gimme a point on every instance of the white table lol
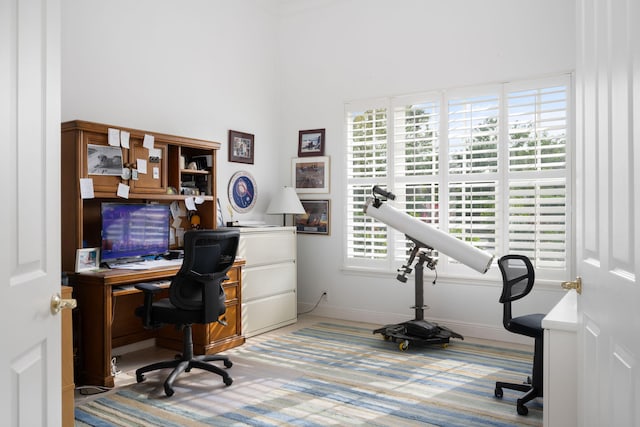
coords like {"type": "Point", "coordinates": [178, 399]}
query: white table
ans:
{"type": "Point", "coordinates": [560, 364]}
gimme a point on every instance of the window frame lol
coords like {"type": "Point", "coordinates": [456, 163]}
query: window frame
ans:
{"type": "Point", "coordinates": [503, 176]}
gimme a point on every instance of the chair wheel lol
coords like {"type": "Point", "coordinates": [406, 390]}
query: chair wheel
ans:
{"type": "Point", "coordinates": [522, 410]}
{"type": "Point", "coordinates": [228, 363]}
{"type": "Point", "coordinates": [498, 392]}
{"type": "Point", "coordinates": [228, 381]}
{"type": "Point", "coordinates": [403, 345]}
{"type": "Point", "coordinates": [168, 391]}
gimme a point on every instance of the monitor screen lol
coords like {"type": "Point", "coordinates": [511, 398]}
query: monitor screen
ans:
{"type": "Point", "coordinates": [133, 230]}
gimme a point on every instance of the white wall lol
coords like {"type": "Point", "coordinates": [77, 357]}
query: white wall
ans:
{"type": "Point", "coordinates": [338, 51]}
{"type": "Point", "coordinates": [273, 67]}
{"type": "Point", "coordinates": [193, 68]}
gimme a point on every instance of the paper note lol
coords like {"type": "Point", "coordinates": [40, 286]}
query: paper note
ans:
{"type": "Point", "coordinates": [148, 142]}
{"type": "Point", "coordinates": [175, 209]}
{"type": "Point", "coordinates": [156, 173]}
{"type": "Point", "coordinates": [86, 188]}
{"type": "Point", "coordinates": [190, 204]}
{"type": "Point", "coordinates": [180, 236]}
{"type": "Point", "coordinates": [177, 222]}
{"type": "Point", "coordinates": [124, 139]}
{"type": "Point", "coordinates": [123, 191]}
{"type": "Point", "coordinates": [199, 200]}
{"type": "Point", "coordinates": [155, 154]}
{"type": "Point", "coordinates": [142, 165]}
{"type": "Point", "coordinates": [114, 137]}
{"type": "Point", "coordinates": [172, 237]}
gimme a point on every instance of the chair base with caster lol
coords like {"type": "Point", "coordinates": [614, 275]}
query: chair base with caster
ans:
{"type": "Point", "coordinates": [532, 387]}
{"type": "Point", "coordinates": [531, 393]}
{"type": "Point", "coordinates": [185, 363]}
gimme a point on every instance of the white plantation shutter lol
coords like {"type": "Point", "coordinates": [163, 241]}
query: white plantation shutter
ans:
{"type": "Point", "coordinates": [472, 213]}
{"type": "Point", "coordinates": [416, 139]}
{"type": "Point", "coordinates": [416, 136]}
{"type": "Point", "coordinates": [538, 173]}
{"type": "Point", "coordinates": [367, 154]}
{"type": "Point", "coordinates": [491, 166]}
{"type": "Point", "coordinates": [419, 201]}
{"type": "Point", "coordinates": [473, 134]}
{"type": "Point", "coordinates": [538, 221]}
{"type": "Point", "coordinates": [537, 129]}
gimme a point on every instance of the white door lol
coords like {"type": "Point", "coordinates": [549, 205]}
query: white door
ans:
{"type": "Point", "coordinates": [608, 214]}
{"type": "Point", "coordinates": [30, 380]}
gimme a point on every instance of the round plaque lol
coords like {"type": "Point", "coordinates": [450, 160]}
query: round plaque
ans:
{"type": "Point", "coordinates": [242, 191]}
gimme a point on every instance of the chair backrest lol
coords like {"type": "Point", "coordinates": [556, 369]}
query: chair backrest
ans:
{"type": "Point", "coordinates": [208, 255]}
{"type": "Point", "coordinates": [518, 277]}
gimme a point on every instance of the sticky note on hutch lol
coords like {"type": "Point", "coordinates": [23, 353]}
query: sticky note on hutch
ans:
{"type": "Point", "coordinates": [124, 139]}
{"type": "Point", "coordinates": [114, 137]}
{"type": "Point", "coordinates": [123, 191]}
{"type": "Point", "coordinates": [86, 188]}
{"type": "Point", "coordinates": [142, 165]}
{"type": "Point", "coordinates": [148, 141]}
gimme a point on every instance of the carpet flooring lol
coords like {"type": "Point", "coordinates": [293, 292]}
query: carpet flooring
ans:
{"type": "Point", "coordinates": [328, 374]}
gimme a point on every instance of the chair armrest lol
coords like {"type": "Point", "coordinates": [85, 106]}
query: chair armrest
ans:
{"type": "Point", "coordinates": [148, 287]}
{"type": "Point", "coordinates": [144, 312]}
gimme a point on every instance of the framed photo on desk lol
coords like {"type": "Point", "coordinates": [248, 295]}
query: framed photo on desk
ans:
{"type": "Point", "coordinates": [87, 259]}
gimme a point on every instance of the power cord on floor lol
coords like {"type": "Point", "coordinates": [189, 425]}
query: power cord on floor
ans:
{"type": "Point", "coordinates": [315, 306]}
{"type": "Point", "coordinates": [114, 366]}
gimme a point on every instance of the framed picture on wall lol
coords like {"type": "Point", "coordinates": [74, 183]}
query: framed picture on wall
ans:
{"type": "Point", "coordinates": [311, 143]}
{"type": "Point", "coordinates": [310, 174]}
{"type": "Point", "coordinates": [315, 219]}
{"type": "Point", "coordinates": [241, 147]}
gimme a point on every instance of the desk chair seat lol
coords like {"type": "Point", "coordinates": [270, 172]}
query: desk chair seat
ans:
{"type": "Point", "coordinates": [196, 296]}
{"type": "Point", "coordinates": [518, 277]}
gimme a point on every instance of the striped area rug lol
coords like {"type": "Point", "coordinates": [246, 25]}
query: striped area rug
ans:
{"type": "Point", "coordinates": [331, 374]}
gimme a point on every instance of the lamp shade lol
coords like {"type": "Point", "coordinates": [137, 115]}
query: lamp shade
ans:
{"type": "Point", "coordinates": [285, 201]}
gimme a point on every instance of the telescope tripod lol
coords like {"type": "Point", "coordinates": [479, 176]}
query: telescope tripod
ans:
{"type": "Point", "coordinates": [417, 330]}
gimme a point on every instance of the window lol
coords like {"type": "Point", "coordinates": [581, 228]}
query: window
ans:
{"type": "Point", "coordinates": [488, 165]}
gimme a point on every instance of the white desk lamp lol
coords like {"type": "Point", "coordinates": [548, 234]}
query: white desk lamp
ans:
{"type": "Point", "coordinates": [285, 202]}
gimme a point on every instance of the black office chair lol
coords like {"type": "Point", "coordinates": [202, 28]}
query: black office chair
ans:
{"type": "Point", "coordinates": [195, 296]}
{"type": "Point", "coordinates": [518, 277]}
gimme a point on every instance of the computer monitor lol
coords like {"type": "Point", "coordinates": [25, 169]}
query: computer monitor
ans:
{"type": "Point", "coordinates": [132, 231]}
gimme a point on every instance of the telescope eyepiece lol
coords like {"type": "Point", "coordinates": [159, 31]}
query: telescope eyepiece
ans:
{"type": "Point", "coordinates": [384, 193]}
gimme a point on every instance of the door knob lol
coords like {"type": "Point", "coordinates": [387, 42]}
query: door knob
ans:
{"type": "Point", "coordinates": [576, 284]}
{"type": "Point", "coordinates": [57, 303]}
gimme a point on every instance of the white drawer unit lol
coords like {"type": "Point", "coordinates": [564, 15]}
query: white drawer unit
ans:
{"type": "Point", "coordinates": [269, 278]}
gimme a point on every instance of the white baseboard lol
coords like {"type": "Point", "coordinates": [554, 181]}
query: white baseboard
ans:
{"type": "Point", "coordinates": [488, 332]}
{"type": "Point", "coordinates": [129, 348]}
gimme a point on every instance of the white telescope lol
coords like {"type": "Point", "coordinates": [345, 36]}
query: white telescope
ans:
{"type": "Point", "coordinates": [426, 234]}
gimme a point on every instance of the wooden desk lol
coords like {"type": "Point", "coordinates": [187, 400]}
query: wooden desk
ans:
{"type": "Point", "coordinates": [107, 319]}
{"type": "Point", "coordinates": [68, 386]}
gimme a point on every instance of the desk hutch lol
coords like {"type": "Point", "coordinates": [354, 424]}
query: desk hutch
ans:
{"type": "Point", "coordinates": [107, 299]}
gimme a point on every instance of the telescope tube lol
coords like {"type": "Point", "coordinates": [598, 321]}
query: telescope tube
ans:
{"type": "Point", "coordinates": [426, 234]}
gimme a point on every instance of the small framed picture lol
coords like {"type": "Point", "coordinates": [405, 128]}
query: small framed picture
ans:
{"type": "Point", "coordinates": [315, 220]}
{"type": "Point", "coordinates": [241, 147]}
{"type": "Point", "coordinates": [310, 174]}
{"type": "Point", "coordinates": [87, 259]}
{"type": "Point", "coordinates": [311, 143]}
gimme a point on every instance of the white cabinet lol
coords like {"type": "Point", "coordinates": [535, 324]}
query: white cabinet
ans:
{"type": "Point", "coordinates": [560, 370]}
{"type": "Point", "coordinates": [269, 278]}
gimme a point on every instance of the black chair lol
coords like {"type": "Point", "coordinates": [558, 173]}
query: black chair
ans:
{"type": "Point", "coordinates": [195, 296]}
{"type": "Point", "coordinates": [518, 277]}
